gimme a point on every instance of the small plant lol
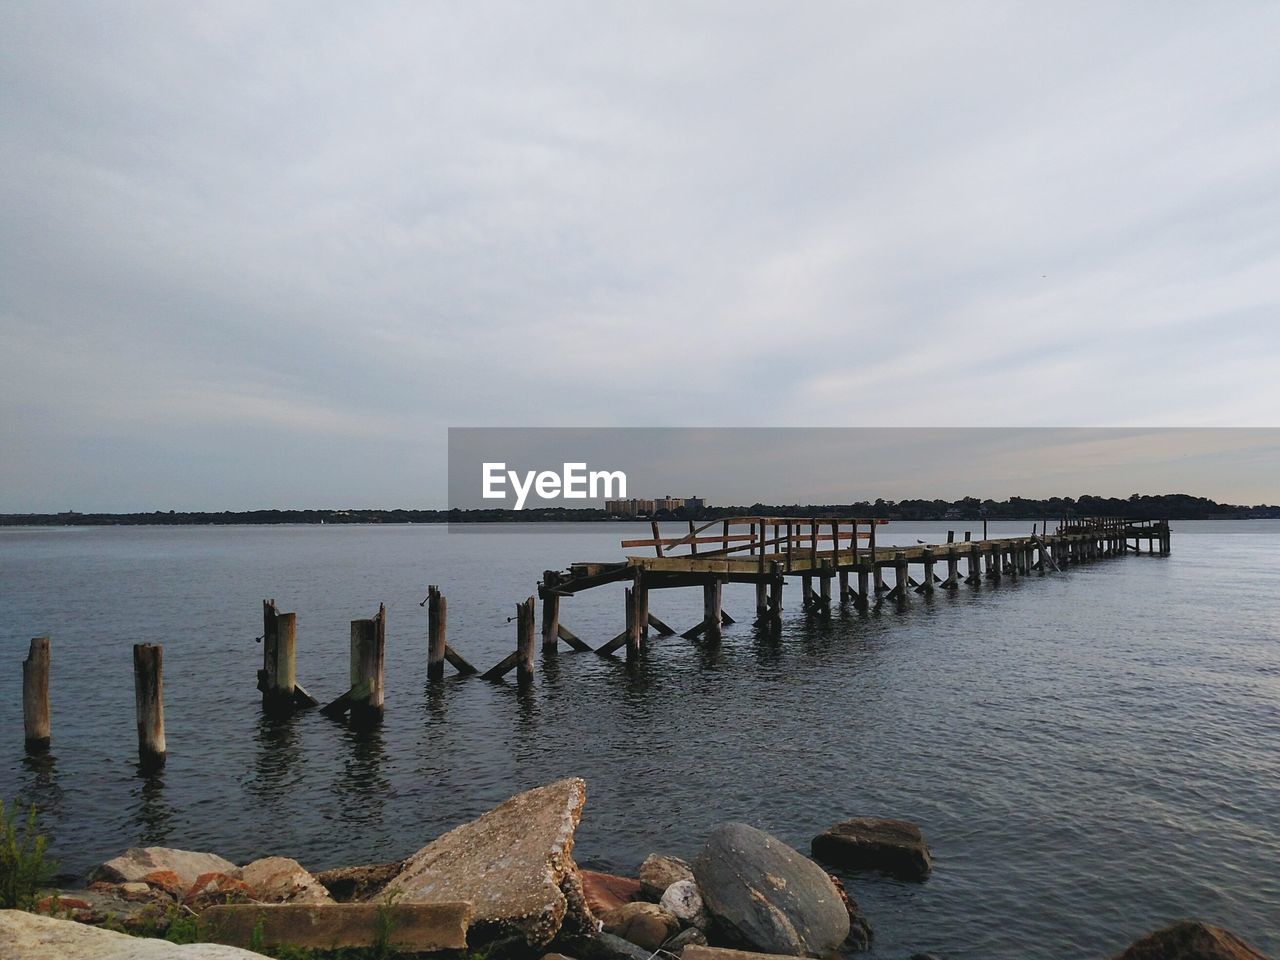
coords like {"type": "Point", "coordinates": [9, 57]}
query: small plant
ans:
{"type": "Point", "coordinates": [22, 865]}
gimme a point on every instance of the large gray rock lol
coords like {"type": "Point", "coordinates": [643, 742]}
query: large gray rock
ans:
{"type": "Point", "coordinates": [514, 865]}
{"type": "Point", "coordinates": [644, 924]}
{"type": "Point", "coordinates": [135, 863]}
{"type": "Point", "coordinates": [895, 847]}
{"type": "Point", "coordinates": [767, 896]}
{"type": "Point", "coordinates": [26, 936]}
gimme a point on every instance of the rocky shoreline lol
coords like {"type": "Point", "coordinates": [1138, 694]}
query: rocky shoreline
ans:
{"type": "Point", "coordinates": [506, 885]}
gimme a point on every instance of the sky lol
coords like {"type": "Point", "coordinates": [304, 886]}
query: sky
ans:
{"type": "Point", "coordinates": [266, 254]}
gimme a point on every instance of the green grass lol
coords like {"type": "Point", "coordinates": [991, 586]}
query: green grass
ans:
{"type": "Point", "coordinates": [23, 868]}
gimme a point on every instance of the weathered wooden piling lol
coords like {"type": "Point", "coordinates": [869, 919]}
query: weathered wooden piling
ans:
{"type": "Point", "coordinates": [953, 570]}
{"type": "Point", "coordinates": [550, 611]}
{"type": "Point", "coordinates": [902, 578]}
{"type": "Point", "coordinates": [926, 584]}
{"type": "Point", "coordinates": [364, 699]}
{"type": "Point", "coordinates": [632, 602]}
{"type": "Point", "coordinates": [776, 583]}
{"type": "Point", "coordinates": [279, 667]}
{"type": "Point", "coordinates": [864, 591]}
{"type": "Point", "coordinates": [525, 640]}
{"type": "Point", "coordinates": [712, 615]}
{"type": "Point", "coordinates": [437, 632]}
{"type": "Point", "coordinates": [35, 696]}
{"type": "Point", "coordinates": [148, 700]}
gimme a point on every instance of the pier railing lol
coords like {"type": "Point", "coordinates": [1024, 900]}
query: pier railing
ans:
{"type": "Point", "coordinates": [763, 536]}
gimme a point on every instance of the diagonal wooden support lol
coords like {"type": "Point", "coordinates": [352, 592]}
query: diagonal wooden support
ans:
{"type": "Point", "coordinates": [662, 628]}
{"type": "Point", "coordinates": [572, 639]}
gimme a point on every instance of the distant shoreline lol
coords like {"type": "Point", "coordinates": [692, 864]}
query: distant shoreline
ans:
{"type": "Point", "coordinates": [970, 510]}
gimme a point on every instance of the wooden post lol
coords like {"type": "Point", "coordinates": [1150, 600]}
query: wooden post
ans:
{"type": "Point", "coordinates": [776, 581]}
{"type": "Point", "coordinates": [902, 576]}
{"type": "Point", "coordinates": [844, 586]}
{"type": "Point", "coordinates": [953, 569]}
{"type": "Point", "coordinates": [368, 645]}
{"type": "Point", "coordinates": [35, 696]}
{"type": "Point", "coordinates": [711, 605]}
{"type": "Point", "coordinates": [806, 592]}
{"type": "Point", "coordinates": [437, 632]}
{"type": "Point", "coordinates": [864, 591]}
{"type": "Point", "coordinates": [279, 652]}
{"type": "Point", "coordinates": [633, 626]}
{"type": "Point", "coordinates": [642, 602]}
{"type": "Point", "coordinates": [926, 585]}
{"type": "Point", "coordinates": [550, 611]}
{"type": "Point", "coordinates": [824, 584]}
{"type": "Point", "coordinates": [762, 600]}
{"type": "Point", "coordinates": [148, 699]}
{"type": "Point", "coordinates": [975, 563]}
{"type": "Point", "coordinates": [524, 640]}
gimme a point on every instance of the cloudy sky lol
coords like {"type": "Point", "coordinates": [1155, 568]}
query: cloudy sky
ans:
{"type": "Point", "coordinates": [266, 254]}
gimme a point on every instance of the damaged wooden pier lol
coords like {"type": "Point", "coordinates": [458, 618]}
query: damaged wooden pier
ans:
{"type": "Point", "coordinates": [828, 551]}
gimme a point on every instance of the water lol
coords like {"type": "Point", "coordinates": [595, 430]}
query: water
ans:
{"type": "Point", "coordinates": [1091, 754]}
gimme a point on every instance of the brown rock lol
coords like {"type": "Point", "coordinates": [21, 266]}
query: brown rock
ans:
{"type": "Point", "coordinates": [282, 880]}
{"type": "Point", "coordinates": [165, 880]}
{"type": "Point", "coordinates": [1191, 940]}
{"type": "Point", "coordinates": [659, 872]}
{"type": "Point", "coordinates": [606, 891]}
{"type": "Point", "coordinates": [514, 865]}
{"type": "Point", "coordinates": [894, 847]}
{"type": "Point", "coordinates": [359, 883]}
{"type": "Point", "coordinates": [644, 924]}
{"type": "Point", "coordinates": [213, 888]}
{"type": "Point", "coordinates": [51, 906]}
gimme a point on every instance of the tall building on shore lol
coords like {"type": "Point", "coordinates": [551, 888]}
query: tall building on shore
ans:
{"type": "Point", "coordinates": [647, 508]}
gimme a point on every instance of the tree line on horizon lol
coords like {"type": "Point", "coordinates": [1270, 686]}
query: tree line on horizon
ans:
{"type": "Point", "coordinates": [1169, 506]}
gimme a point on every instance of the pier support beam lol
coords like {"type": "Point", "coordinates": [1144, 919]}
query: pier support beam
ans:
{"type": "Point", "coordinates": [148, 699]}
{"type": "Point", "coordinates": [364, 699]}
{"type": "Point", "coordinates": [550, 611]}
{"type": "Point", "coordinates": [712, 617]}
{"type": "Point", "coordinates": [862, 601]}
{"type": "Point", "coordinates": [278, 677]}
{"type": "Point", "coordinates": [902, 587]}
{"type": "Point", "coordinates": [437, 632]}
{"type": "Point", "coordinates": [634, 628]}
{"type": "Point", "coordinates": [35, 696]}
{"type": "Point", "coordinates": [926, 583]}
{"type": "Point", "coordinates": [844, 586]}
{"type": "Point", "coordinates": [776, 582]}
{"type": "Point", "coordinates": [953, 570]}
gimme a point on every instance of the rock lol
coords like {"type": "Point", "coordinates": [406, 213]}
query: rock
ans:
{"type": "Point", "coordinates": [33, 937]}
{"type": "Point", "coordinates": [605, 891]}
{"type": "Point", "coordinates": [137, 862]}
{"type": "Point", "coordinates": [358, 883]}
{"type": "Point", "coordinates": [1191, 940]}
{"type": "Point", "coordinates": [683, 901]}
{"type": "Point", "coordinates": [692, 937]}
{"type": "Point", "coordinates": [894, 847]}
{"type": "Point", "coordinates": [644, 924]}
{"type": "Point", "coordinates": [281, 880]}
{"type": "Point", "coordinates": [859, 937]}
{"type": "Point", "coordinates": [165, 880]}
{"type": "Point", "coordinates": [103, 901]}
{"type": "Point", "coordinates": [211, 888]}
{"type": "Point", "coordinates": [767, 896]}
{"type": "Point", "coordinates": [659, 872]}
{"type": "Point", "coordinates": [514, 865]}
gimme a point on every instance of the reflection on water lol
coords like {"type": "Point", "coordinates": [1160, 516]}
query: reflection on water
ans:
{"type": "Point", "coordinates": [1091, 754]}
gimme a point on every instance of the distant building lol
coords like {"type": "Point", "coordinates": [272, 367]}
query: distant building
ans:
{"type": "Point", "coordinates": [636, 507]}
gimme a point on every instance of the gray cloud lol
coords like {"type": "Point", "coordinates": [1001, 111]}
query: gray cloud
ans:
{"type": "Point", "coordinates": [247, 251]}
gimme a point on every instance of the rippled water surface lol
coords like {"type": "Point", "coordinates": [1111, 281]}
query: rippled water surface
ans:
{"type": "Point", "coordinates": [1091, 753]}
